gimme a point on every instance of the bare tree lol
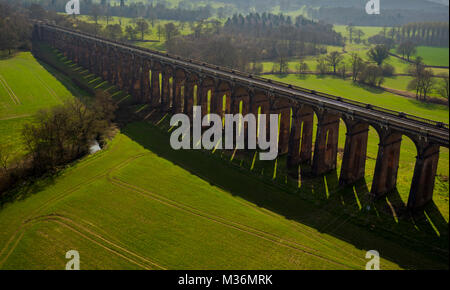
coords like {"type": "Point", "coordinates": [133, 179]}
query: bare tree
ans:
{"type": "Point", "coordinates": [334, 58]}
{"type": "Point", "coordinates": [5, 156]}
{"type": "Point", "coordinates": [359, 34]}
{"type": "Point", "coordinates": [407, 49]}
{"type": "Point", "coordinates": [357, 66]}
{"type": "Point", "coordinates": [322, 66]}
{"type": "Point", "coordinates": [350, 28]}
{"type": "Point", "coordinates": [443, 87]}
{"type": "Point", "coordinates": [423, 81]}
{"type": "Point", "coordinates": [142, 26]}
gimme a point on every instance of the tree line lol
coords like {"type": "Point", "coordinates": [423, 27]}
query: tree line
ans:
{"type": "Point", "coordinates": [268, 25]}
{"type": "Point", "coordinates": [239, 45]}
{"type": "Point", "coordinates": [374, 71]}
{"type": "Point", "coordinates": [389, 17]}
{"type": "Point", "coordinates": [15, 28]}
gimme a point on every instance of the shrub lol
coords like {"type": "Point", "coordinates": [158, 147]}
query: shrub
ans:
{"type": "Point", "coordinates": [388, 70]}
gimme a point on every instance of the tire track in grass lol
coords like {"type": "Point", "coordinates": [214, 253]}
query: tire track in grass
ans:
{"type": "Point", "coordinates": [89, 235]}
{"type": "Point", "coordinates": [47, 87]}
{"type": "Point", "coordinates": [308, 233]}
{"type": "Point", "coordinates": [231, 224]}
{"type": "Point", "coordinates": [40, 80]}
{"type": "Point", "coordinates": [10, 92]}
{"type": "Point", "coordinates": [63, 195]}
{"type": "Point", "coordinates": [84, 183]}
{"type": "Point", "coordinates": [15, 117]}
{"type": "Point", "coordinates": [77, 227]}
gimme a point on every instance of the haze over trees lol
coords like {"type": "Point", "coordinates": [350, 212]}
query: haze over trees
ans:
{"type": "Point", "coordinates": [282, 27]}
{"type": "Point", "coordinates": [251, 38]}
{"type": "Point", "coordinates": [135, 10]}
{"type": "Point", "coordinates": [395, 12]}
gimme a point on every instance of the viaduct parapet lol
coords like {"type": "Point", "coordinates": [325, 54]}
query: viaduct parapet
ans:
{"type": "Point", "coordinates": [172, 84]}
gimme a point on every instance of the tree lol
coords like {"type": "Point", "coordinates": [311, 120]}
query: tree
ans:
{"type": "Point", "coordinates": [64, 133]}
{"type": "Point", "coordinates": [130, 32]}
{"type": "Point", "coordinates": [423, 81]}
{"type": "Point", "coordinates": [443, 87]}
{"type": "Point", "coordinates": [350, 28]}
{"type": "Point", "coordinates": [342, 70]}
{"type": "Point", "coordinates": [357, 66]}
{"type": "Point", "coordinates": [282, 51]}
{"type": "Point", "coordinates": [216, 26]}
{"type": "Point", "coordinates": [359, 34]}
{"type": "Point", "coordinates": [322, 66]}
{"type": "Point", "coordinates": [378, 54]}
{"type": "Point", "coordinates": [5, 156]}
{"type": "Point", "coordinates": [113, 31]}
{"type": "Point", "coordinates": [407, 48]}
{"type": "Point", "coordinates": [372, 75]}
{"type": "Point", "coordinates": [15, 28]}
{"type": "Point", "coordinates": [171, 31]}
{"type": "Point", "coordinates": [95, 16]}
{"type": "Point", "coordinates": [160, 31]}
{"type": "Point", "coordinates": [334, 59]}
{"type": "Point", "coordinates": [142, 26]}
{"type": "Point", "coordinates": [302, 67]}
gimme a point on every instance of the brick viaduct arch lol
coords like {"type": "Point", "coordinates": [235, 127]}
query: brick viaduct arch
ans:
{"type": "Point", "coordinates": [174, 85]}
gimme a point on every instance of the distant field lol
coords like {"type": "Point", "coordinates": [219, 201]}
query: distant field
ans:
{"type": "Point", "coordinates": [368, 30]}
{"type": "Point", "coordinates": [437, 56]}
{"type": "Point", "coordinates": [347, 89]}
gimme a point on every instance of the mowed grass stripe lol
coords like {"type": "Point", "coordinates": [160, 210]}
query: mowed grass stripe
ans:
{"type": "Point", "coordinates": [34, 86]}
{"type": "Point", "coordinates": [52, 240]}
{"type": "Point", "coordinates": [10, 92]}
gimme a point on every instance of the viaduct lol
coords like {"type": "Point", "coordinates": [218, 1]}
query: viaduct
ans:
{"type": "Point", "coordinates": [172, 84]}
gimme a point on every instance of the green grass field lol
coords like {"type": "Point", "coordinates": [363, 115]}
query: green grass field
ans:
{"type": "Point", "coordinates": [358, 92]}
{"type": "Point", "coordinates": [138, 204]}
{"type": "Point", "coordinates": [141, 211]}
{"type": "Point", "coordinates": [437, 56]}
{"type": "Point", "coordinates": [26, 86]}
